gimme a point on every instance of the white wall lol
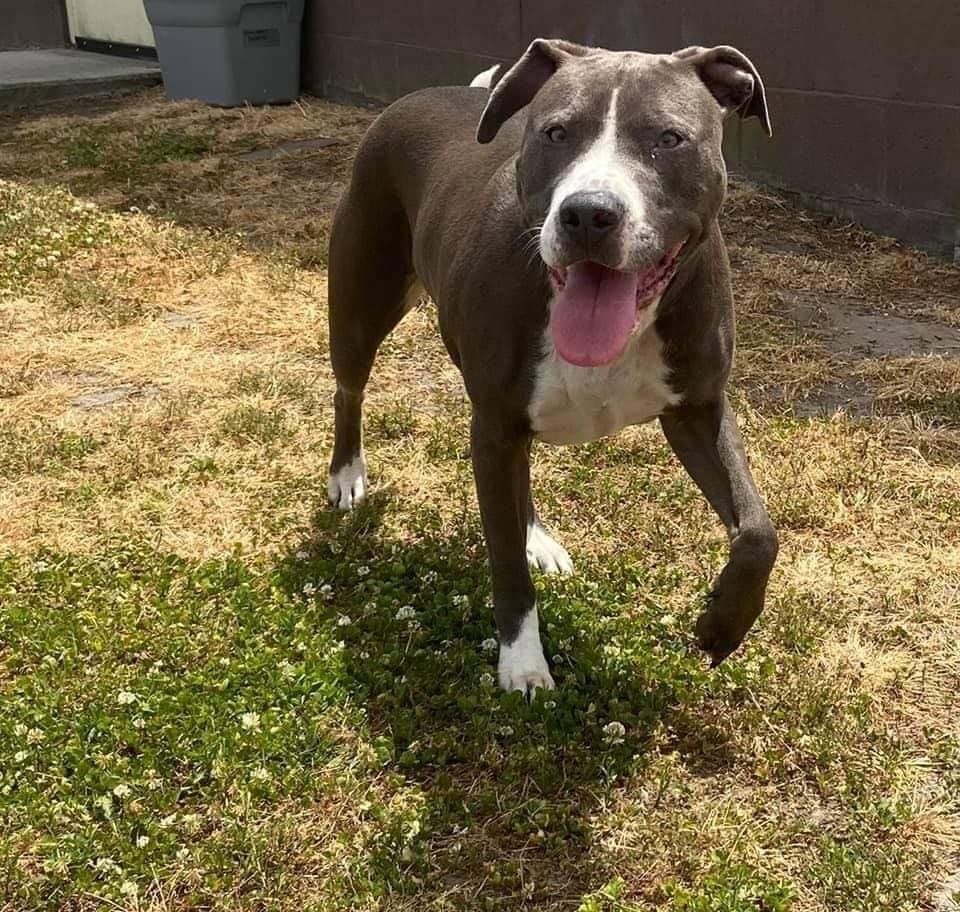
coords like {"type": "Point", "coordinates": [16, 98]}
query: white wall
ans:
{"type": "Point", "coordinates": [110, 20]}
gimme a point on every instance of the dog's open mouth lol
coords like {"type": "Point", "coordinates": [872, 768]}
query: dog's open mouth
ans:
{"type": "Point", "coordinates": [596, 308]}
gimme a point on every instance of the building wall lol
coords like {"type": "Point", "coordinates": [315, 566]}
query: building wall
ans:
{"type": "Point", "coordinates": [864, 96]}
{"type": "Point", "coordinates": [32, 23]}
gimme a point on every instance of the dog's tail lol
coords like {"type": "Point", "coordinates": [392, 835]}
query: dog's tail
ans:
{"type": "Point", "coordinates": [485, 79]}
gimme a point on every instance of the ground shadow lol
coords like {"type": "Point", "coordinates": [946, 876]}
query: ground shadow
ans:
{"type": "Point", "coordinates": [270, 176]}
{"type": "Point", "coordinates": [508, 788]}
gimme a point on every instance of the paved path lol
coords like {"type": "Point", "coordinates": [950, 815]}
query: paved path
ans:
{"type": "Point", "coordinates": [30, 77]}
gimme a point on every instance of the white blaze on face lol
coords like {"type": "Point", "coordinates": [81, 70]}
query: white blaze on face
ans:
{"type": "Point", "coordinates": [601, 167]}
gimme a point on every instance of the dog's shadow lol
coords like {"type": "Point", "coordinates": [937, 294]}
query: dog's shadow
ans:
{"type": "Point", "coordinates": [417, 658]}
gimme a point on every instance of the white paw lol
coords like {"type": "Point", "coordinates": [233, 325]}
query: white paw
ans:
{"type": "Point", "coordinates": [522, 664]}
{"type": "Point", "coordinates": [348, 486]}
{"type": "Point", "coordinates": [543, 553]}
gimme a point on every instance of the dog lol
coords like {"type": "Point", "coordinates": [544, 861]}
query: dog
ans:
{"type": "Point", "coordinates": [607, 168]}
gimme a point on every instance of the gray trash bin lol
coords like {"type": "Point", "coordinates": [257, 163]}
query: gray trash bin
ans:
{"type": "Point", "coordinates": [228, 52]}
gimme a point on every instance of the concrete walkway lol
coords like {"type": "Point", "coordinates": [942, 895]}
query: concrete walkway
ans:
{"type": "Point", "coordinates": [32, 77]}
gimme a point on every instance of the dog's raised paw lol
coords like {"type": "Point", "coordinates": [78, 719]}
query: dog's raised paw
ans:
{"type": "Point", "coordinates": [546, 554]}
{"type": "Point", "coordinates": [347, 487]}
{"type": "Point", "coordinates": [729, 615]}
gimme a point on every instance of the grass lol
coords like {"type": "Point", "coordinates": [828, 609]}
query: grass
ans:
{"type": "Point", "coordinates": [253, 424]}
{"type": "Point", "coordinates": [217, 694]}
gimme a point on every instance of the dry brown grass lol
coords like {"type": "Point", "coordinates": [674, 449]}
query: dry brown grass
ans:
{"type": "Point", "coordinates": [207, 313]}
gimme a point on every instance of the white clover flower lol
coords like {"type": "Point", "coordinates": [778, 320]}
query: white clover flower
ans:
{"type": "Point", "coordinates": [490, 645]}
{"type": "Point", "coordinates": [613, 732]}
{"type": "Point", "coordinates": [301, 555]}
{"type": "Point", "coordinates": [461, 601]}
{"type": "Point", "coordinates": [550, 704]}
{"type": "Point", "coordinates": [308, 589]}
{"type": "Point", "coordinates": [363, 571]}
{"type": "Point", "coordinates": [153, 779]}
{"type": "Point", "coordinates": [344, 620]}
{"type": "Point", "coordinates": [20, 756]}
{"type": "Point", "coordinates": [326, 591]}
{"type": "Point", "coordinates": [121, 790]}
{"type": "Point", "coordinates": [505, 730]}
{"type": "Point", "coordinates": [406, 613]}
{"type": "Point", "coordinates": [106, 866]}
{"type": "Point", "coordinates": [250, 721]}
{"type": "Point", "coordinates": [125, 698]}
{"type": "Point", "coordinates": [20, 730]}
{"type": "Point", "coordinates": [128, 888]}
{"type": "Point", "coordinates": [486, 679]}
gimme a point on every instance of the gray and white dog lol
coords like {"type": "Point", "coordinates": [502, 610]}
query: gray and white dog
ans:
{"type": "Point", "coordinates": [612, 163]}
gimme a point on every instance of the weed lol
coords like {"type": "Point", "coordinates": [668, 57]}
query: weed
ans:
{"type": "Point", "coordinates": [252, 424]}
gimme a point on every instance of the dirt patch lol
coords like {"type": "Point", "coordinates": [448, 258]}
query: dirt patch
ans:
{"type": "Point", "coordinates": [873, 361]}
{"type": "Point", "coordinates": [845, 326]}
{"type": "Point", "coordinates": [114, 396]}
{"type": "Point", "coordinates": [290, 148]}
{"type": "Point", "coordinates": [177, 320]}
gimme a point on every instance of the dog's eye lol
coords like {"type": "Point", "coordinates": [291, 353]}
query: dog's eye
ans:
{"type": "Point", "coordinates": [556, 133]}
{"type": "Point", "coordinates": [669, 139]}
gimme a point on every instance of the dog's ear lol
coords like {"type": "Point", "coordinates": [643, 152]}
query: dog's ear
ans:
{"type": "Point", "coordinates": [522, 81]}
{"type": "Point", "coordinates": [732, 79]}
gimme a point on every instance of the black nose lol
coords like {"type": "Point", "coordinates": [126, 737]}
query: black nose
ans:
{"type": "Point", "coordinates": [590, 215]}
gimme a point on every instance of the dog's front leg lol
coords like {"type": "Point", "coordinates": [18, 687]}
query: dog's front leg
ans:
{"type": "Point", "coordinates": [707, 442]}
{"type": "Point", "coordinates": [501, 467]}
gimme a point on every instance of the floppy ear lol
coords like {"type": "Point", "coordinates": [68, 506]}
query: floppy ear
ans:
{"type": "Point", "coordinates": [732, 79]}
{"type": "Point", "coordinates": [522, 81]}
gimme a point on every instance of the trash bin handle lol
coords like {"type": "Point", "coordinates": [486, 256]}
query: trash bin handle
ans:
{"type": "Point", "coordinates": [290, 14]}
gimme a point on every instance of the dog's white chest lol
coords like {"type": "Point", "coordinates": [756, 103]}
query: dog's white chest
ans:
{"type": "Point", "coordinates": [575, 404]}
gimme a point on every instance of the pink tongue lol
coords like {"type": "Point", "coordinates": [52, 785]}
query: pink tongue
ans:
{"type": "Point", "coordinates": [594, 314]}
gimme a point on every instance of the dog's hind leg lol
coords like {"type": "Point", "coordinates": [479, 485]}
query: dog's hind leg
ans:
{"type": "Point", "coordinates": [544, 552]}
{"type": "Point", "coordinates": [371, 287]}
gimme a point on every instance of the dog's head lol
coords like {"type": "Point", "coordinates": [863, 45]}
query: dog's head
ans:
{"type": "Point", "coordinates": [620, 167]}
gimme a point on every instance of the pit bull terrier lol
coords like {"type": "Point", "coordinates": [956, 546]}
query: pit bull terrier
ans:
{"type": "Point", "coordinates": [565, 223]}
